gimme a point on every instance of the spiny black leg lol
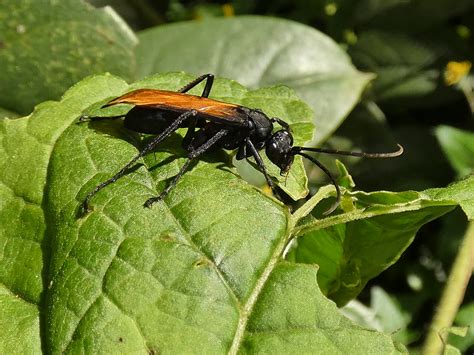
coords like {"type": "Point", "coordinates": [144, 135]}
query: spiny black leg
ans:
{"type": "Point", "coordinates": [170, 129]}
{"type": "Point", "coordinates": [261, 166]}
{"type": "Point", "coordinates": [207, 89]}
{"type": "Point", "coordinates": [205, 93]}
{"type": "Point", "coordinates": [173, 183]}
{"type": "Point", "coordinates": [191, 156]}
{"type": "Point", "coordinates": [208, 144]}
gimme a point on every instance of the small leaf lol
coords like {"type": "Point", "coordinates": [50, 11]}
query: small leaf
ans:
{"type": "Point", "coordinates": [451, 350]}
{"type": "Point", "coordinates": [384, 314]}
{"type": "Point", "coordinates": [344, 178]}
{"type": "Point", "coordinates": [393, 318]}
{"type": "Point", "coordinates": [353, 247]}
{"type": "Point", "coordinates": [461, 192]}
{"type": "Point", "coordinates": [463, 337]}
{"type": "Point", "coordinates": [459, 331]}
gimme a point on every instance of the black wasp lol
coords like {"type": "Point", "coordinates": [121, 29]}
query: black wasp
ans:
{"type": "Point", "coordinates": [213, 124]}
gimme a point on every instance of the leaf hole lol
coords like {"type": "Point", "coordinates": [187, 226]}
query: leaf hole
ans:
{"type": "Point", "coordinates": [167, 237]}
{"type": "Point", "coordinates": [202, 262]}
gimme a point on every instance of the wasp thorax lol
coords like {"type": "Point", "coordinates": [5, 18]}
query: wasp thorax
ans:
{"type": "Point", "coordinates": [278, 150]}
{"type": "Point", "coordinates": [261, 126]}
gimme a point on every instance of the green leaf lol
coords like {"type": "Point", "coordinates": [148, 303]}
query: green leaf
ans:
{"type": "Point", "coordinates": [393, 318]}
{"type": "Point", "coordinates": [277, 324]}
{"type": "Point", "coordinates": [261, 51]}
{"type": "Point", "coordinates": [461, 192]}
{"type": "Point", "coordinates": [46, 46]}
{"type": "Point", "coordinates": [203, 265]}
{"type": "Point", "coordinates": [458, 146]}
{"type": "Point", "coordinates": [451, 350]}
{"type": "Point", "coordinates": [385, 314]}
{"type": "Point", "coordinates": [370, 235]}
{"type": "Point", "coordinates": [402, 64]}
{"type": "Point", "coordinates": [458, 331]}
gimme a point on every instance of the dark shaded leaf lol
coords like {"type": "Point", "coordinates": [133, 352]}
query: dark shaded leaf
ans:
{"type": "Point", "coordinates": [47, 46]}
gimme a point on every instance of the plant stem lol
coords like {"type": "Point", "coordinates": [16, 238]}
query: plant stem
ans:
{"type": "Point", "coordinates": [453, 295]}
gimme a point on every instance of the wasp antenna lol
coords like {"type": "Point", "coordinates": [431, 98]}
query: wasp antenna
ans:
{"type": "Point", "coordinates": [355, 154]}
{"type": "Point", "coordinates": [326, 171]}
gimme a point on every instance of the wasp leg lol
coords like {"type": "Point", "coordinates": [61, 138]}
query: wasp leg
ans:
{"type": "Point", "coordinates": [261, 167]}
{"type": "Point", "coordinates": [205, 93]}
{"type": "Point", "coordinates": [333, 180]}
{"type": "Point", "coordinates": [158, 139]}
{"type": "Point", "coordinates": [207, 89]}
{"type": "Point", "coordinates": [191, 156]}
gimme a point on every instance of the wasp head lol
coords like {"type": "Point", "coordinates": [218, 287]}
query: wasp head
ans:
{"type": "Point", "coordinates": [278, 150]}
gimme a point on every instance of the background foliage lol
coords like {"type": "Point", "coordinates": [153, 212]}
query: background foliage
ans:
{"type": "Point", "coordinates": [373, 73]}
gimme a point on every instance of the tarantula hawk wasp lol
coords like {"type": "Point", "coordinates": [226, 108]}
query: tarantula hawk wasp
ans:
{"type": "Point", "coordinates": [213, 124]}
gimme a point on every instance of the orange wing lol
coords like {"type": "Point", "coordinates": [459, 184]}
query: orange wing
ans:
{"type": "Point", "coordinates": [176, 101]}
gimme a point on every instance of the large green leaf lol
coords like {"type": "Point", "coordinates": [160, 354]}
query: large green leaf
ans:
{"type": "Point", "coordinates": [199, 272]}
{"type": "Point", "coordinates": [260, 51]}
{"type": "Point", "coordinates": [46, 46]}
{"type": "Point", "coordinates": [370, 235]}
